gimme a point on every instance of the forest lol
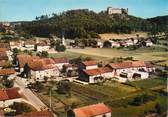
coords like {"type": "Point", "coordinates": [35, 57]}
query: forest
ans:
{"type": "Point", "coordinates": [84, 23]}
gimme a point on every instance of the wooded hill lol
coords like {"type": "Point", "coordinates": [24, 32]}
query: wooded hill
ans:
{"type": "Point", "coordinates": [87, 24]}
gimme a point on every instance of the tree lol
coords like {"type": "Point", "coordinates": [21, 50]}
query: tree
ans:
{"type": "Point", "coordinates": [60, 48]}
{"type": "Point", "coordinates": [20, 107]}
{"type": "Point", "coordinates": [44, 53]}
{"type": "Point", "coordinates": [64, 87]}
{"type": "Point", "coordinates": [107, 44]}
{"type": "Point", "coordinates": [15, 51]}
{"type": "Point", "coordinates": [158, 108]}
{"type": "Point", "coordinates": [7, 83]}
{"type": "Point", "coordinates": [26, 70]}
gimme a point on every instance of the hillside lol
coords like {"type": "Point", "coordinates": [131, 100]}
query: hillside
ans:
{"type": "Point", "coordinates": [161, 21]}
{"type": "Point", "coordinates": [84, 24]}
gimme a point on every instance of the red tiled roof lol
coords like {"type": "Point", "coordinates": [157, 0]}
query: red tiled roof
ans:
{"type": "Point", "coordinates": [30, 42]}
{"type": "Point", "coordinates": [89, 63]}
{"type": "Point", "coordinates": [3, 56]}
{"type": "Point", "coordinates": [149, 65]}
{"type": "Point", "coordinates": [70, 65]}
{"type": "Point", "coordinates": [2, 113]}
{"type": "Point", "coordinates": [37, 114]}
{"type": "Point", "coordinates": [97, 71]}
{"type": "Point", "coordinates": [3, 49]}
{"type": "Point", "coordinates": [43, 43]}
{"type": "Point", "coordinates": [128, 64]}
{"type": "Point", "coordinates": [48, 61]}
{"type": "Point", "coordinates": [23, 59]}
{"type": "Point", "coordinates": [4, 45]}
{"type": "Point", "coordinates": [7, 94]}
{"type": "Point", "coordinates": [41, 64]}
{"type": "Point", "coordinates": [92, 110]}
{"type": "Point", "coordinates": [60, 60]}
{"type": "Point", "coordinates": [6, 72]}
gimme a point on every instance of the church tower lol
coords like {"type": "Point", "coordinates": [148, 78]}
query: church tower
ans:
{"type": "Point", "coordinates": [63, 39]}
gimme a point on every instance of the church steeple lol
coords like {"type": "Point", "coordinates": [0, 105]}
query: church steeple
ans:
{"type": "Point", "coordinates": [63, 39]}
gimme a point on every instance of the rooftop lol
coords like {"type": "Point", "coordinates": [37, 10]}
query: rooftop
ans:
{"type": "Point", "coordinates": [98, 71]}
{"type": "Point", "coordinates": [37, 114]}
{"type": "Point", "coordinates": [89, 63]}
{"type": "Point", "coordinates": [92, 110]}
{"type": "Point", "coordinates": [7, 94]}
{"type": "Point", "coordinates": [60, 60]}
{"type": "Point", "coordinates": [6, 72]}
{"type": "Point", "coordinates": [128, 64]}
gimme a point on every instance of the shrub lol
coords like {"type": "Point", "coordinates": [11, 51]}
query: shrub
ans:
{"type": "Point", "coordinates": [142, 99]}
{"type": "Point", "coordinates": [64, 87]}
{"type": "Point", "coordinates": [20, 107]}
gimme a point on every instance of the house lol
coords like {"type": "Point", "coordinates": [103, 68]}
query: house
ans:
{"type": "Point", "coordinates": [8, 96]}
{"type": "Point", "coordinates": [4, 63]}
{"type": "Point", "coordinates": [59, 62]}
{"type": "Point", "coordinates": [42, 46]}
{"type": "Point", "coordinates": [4, 45]}
{"type": "Point", "coordinates": [44, 113]}
{"type": "Point", "coordinates": [71, 69]}
{"type": "Point", "coordinates": [7, 72]}
{"type": "Point", "coordinates": [41, 68]}
{"type": "Point", "coordinates": [95, 75]}
{"type": "Point", "coordinates": [148, 43]}
{"type": "Point", "coordinates": [131, 67]}
{"type": "Point", "coordinates": [99, 44]}
{"type": "Point", "coordinates": [22, 59]}
{"type": "Point", "coordinates": [95, 110]}
{"type": "Point", "coordinates": [2, 113]}
{"type": "Point", "coordinates": [15, 44]}
{"type": "Point", "coordinates": [129, 42]}
{"type": "Point", "coordinates": [114, 44]}
{"type": "Point", "coordinates": [29, 44]}
{"type": "Point", "coordinates": [133, 75]}
{"type": "Point", "coordinates": [3, 56]}
{"type": "Point", "coordinates": [87, 65]}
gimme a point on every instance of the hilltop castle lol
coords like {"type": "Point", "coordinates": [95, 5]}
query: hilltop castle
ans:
{"type": "Point", "coordinates": [120, 11]}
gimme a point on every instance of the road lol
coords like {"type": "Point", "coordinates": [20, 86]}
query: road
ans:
{"type": "Point", "coordinates": [33, 99]}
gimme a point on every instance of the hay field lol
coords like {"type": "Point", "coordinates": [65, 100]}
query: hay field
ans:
{"type": "Point", "coordinates": [107, 36]}
{"type": "Point", "coordinates": [146, 55]}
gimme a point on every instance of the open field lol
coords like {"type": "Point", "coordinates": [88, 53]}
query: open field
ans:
{"type": "Point", "coordinates": [115, 95]}
{"type": "Point", "coordinates": [149, 83]}
{"type": "Point", "coordinates": [72, 55]}
{"type": "Point", "coordinates": [146, 54]}
{"type": "Point", "coordinates": [135, 111]}
{"type": "Point", "coordinates": [107, 36]}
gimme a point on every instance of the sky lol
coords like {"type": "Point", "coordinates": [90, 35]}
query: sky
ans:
{"type": "Point", "coordinates": [27, 10]}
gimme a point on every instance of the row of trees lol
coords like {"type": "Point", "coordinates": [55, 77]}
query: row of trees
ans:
{"type": "Point", "coordinates": [85, 24]}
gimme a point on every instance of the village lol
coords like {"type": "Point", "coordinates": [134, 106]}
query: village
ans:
{"type": "Point", "coordinates": [54, 77]}
{"type": "Point", "coordinates": [27, 61]}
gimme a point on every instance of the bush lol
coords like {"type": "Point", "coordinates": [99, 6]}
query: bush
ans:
{"type": "Point", "coordinates": [142, 99]}
{"type": "Point", "coordinates": [60, 48]}
{"type": "Point", "coordinates": [20, 107]}
{"type": "Point", "coordinates": [64, 87]}
{"type": "Point", "coordinates": [44, 54]}
{"type": "Point", "coordinates": [107, 44]}
{"type": "Point", "coordinates": [7, 83]}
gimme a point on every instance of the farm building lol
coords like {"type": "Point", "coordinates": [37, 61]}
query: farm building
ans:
{"type": "Point", "coordinates": [87, 65]}
{"type": "Point", "coordinates": [95, 75]}
{"type": "Point", "coordinates": [95, 110]}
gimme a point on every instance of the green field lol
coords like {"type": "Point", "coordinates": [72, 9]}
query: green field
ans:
{"type": "Point", "coordinates": [134, 111]}
{"type": "Point", "coordinates": [149, 83]}
{"type": "Point", "coordinates": [147, 54]}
